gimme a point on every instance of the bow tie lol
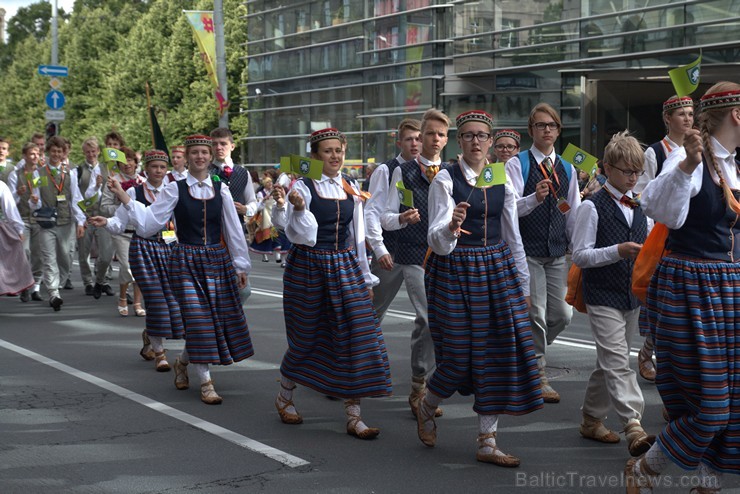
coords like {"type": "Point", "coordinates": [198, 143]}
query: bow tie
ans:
{"type": "Point", "coordinates": [227, 171]}
{"type": "Point", "coordinates": [129, 183]}
{"type": "Point", "coordinates": [629, 202]}
{"type": "Point", "coordinates": [431, 171]}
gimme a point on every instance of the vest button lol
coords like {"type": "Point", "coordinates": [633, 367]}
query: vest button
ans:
{"type": "Point", "coordinates": [483, 215]}
{"type": "Point", "coordinates": [483, 239]}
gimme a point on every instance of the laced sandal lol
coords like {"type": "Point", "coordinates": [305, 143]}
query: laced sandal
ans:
{"type": "Point", "coordinates": [181, 375]}
{"type": "Point", "coordinates": [414, 398]}
{"type": "Point", "coordinates": [638, 441]}
{"type": "Point", "coordinates": [122, 310]}
{"type": "Point", "coordinates": [160, 362]}
{"type": "Point", "coordinates": [147, 353]}
{"type": "Point", "coordinates": [496, 456]}
{"type": "Point", "coordinates": [593, 428]}
{"type": "Point", "coordinates": [208, 394]}
{"type": "Point", "coordinates": [353, 421]}
{"type": "Point", "coordinates": [282, 406]}
{"type": "Point", "coordinates": [429, 438]}
{"type": "Point", "coordinates": [645, 364]}
{"type": "Point", "coordinates": [139, 311]}
{"type": "Point", "coordinates": [635, 483]}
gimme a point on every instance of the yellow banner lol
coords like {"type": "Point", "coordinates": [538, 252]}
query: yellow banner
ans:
{"type": "Point", "coordinates": [202, 23]}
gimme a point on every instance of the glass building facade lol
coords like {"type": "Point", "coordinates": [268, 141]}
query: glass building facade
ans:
{"type": "Point", "coordinates": [363, 65]}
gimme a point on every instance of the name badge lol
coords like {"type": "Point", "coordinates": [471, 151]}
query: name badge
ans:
{"type": "Point", "coordinates": [563, 205]}
{"type": "Point", "coordinates": [61, 198]}
{"type": "Point", "coordinates": [169, 236]}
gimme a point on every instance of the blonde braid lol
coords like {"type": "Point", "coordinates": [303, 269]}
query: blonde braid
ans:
{"type": "Point", "coordinates": [709, 156]}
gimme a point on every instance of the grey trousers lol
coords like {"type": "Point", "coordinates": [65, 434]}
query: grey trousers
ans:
{"type": "Point", "coordinates": [105, 254]}
{"type": "Point", "coordinates": [32, 248]}
{"type": "Point", "coordinates": [55, 244]}
{"type": "Point", "coordinates": [549, 314]}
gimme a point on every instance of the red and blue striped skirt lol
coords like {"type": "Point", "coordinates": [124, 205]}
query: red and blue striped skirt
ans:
{"type": "Point", "coordinates": [335, 344]}
{"type": "Point", "coordinates": [480, 326]}
{"type": "Point", "coordinates": [149, 265]}
{"type": "Point", "coordinates": [693, 310]}
{"type": "Point", "coordinates": [204, 281]}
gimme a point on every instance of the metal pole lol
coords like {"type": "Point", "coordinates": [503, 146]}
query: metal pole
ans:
{"type": "Point", "coordinates": [54, 34]}
{"type": "Point", "coordinates": [218, 21]}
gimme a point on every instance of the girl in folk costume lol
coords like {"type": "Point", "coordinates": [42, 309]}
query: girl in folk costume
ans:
{"type": "Point", "coordinates": [477, 286]}
{"type": "Point", "coordinates": [15, 272]}
{"type": "Point", "coordinates": [335, 345]}
{"type": "Point", "coordinates": [205, 272]}
{"type": "Point", "coordinates": [678, 118]}
{"type": "Point", "coordinates": [149, 257]}
{"type": "Point", "coordinates": [109, 203]}
{"type": "Point", "coordinates": [265, 235]}
{"type": "Point", "coordinates": [692, 300]}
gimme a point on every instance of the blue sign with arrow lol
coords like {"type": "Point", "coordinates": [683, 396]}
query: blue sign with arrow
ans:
{"type": "Point", "coordinates": [55, 99]}
{"type": "Point", "coordinates": [54, 70]}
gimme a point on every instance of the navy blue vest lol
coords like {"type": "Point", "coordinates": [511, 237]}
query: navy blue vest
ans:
{"type": "Point", "coordinates": [412, 243]}
{"type": "Point", "coordinates": [237, 182]}
{"type": "Point", "coordinates": [198, 220]}
{"type": "Point", "coordinates": [709, 231]}
{"type": "Point", "coordinates": [543, 230]}
{"type": "Point", "coordinates": [333, 217]}
{"type": "Point", "coordinates": [483, 218]}
{"type": "Point", "coordinates": [611, 285]}
{"type": "Point", "coordinates": [659, 156]}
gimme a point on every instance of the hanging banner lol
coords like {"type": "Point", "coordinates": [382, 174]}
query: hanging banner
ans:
{"type": "Point", "coordinates": [202, 23]}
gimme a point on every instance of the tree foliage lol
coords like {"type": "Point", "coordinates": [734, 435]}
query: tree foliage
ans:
{"type": "Point", "coordinates": [113, 48]}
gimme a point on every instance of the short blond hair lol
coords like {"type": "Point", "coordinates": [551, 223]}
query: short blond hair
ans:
{"type": "Point", "coordinates": [624, 147]}
{"type": "Point", "coordinates": [434, 114]}
{"type": "Point", "coordinates": [408, 124]}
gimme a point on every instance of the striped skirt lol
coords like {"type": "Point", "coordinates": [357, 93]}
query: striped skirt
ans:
{"type": "Point", "coordinates": [480, 326]}
{"type": "Point", "coordinates": [204, 281]}
{"type": "Point", "coordinates": [148, 260]}
{"type": "Point", "coordinates": [693, 309]}
{"type": "Point", "coordinates": [335, 344]}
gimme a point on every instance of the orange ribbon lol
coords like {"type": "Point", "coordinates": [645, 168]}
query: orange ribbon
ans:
{"type": "Point", "coordinates": [349, 190]}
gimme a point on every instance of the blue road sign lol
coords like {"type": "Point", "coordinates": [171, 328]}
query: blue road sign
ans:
{"type": "Point", "coordinates": [54, 99]}
{"type": "Point", "coordinates": [54, 70]}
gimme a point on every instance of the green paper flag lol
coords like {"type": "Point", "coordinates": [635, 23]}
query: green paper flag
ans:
{"type": "Point", "coordinates": [38, 181]}
{"type": "Point", "coordinates": [405, 195]}
{"type": "Point", "coordinates": [686, 78]}
{"type": "Point", "coordinates": [86, 203]}
{"type": "Point", "coordinates": [580, 159]}
{"type": "Point", "coordinates": [307, 167]}
{"type": "Point", "coordinates": [285, 165]}
{"type": "Point", "coordinates": [113, 156]}
{"type": "Point", "coordinates": [492, 174]}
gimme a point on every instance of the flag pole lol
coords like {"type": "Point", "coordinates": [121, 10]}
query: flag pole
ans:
{"type": "Point", "coordinates": [149, 114]}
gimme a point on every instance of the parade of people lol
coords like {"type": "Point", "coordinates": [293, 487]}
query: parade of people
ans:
{"type": "Point", "coordinates": [507, 259]}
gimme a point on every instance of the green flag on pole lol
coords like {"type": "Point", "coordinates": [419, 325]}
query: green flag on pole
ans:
{"type": "Point", "coordinates": [580, 159]}
{"type": "Point", "coordinates": [37, 181]}
{"type": "Point", "coordinates": [86, 203]}
{"type": "Point", "coordinates": [492, 174]}
{"type": "Point", "coordinates": [405, 196]}
{"type": "Point", "coordinates": [686, 78]}
{"type": "Point", "coordinates": [285, 165]}
{"type": "Point", "coordinates": [112, 156]}
{"type": "Point", "coordinates": [307, 167]}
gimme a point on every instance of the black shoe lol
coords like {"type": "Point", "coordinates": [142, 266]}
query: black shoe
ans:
{"type": "Point", "coordinates": [89, 290]}
{"type": "Point", "coordinates": [68, 285]}
{"type": "Point", "coordinates": [129, 300]}
{"type": "Point", "coordinates": [97, 290]}
{"type": "Point", "coordinates": [108, 290]}
{"type": "Point", "coordinates": [56, 303]}
{"type": "Point", "coordinates": [36, 297]}
{"type": "Point", "coordinates": [25, 296]}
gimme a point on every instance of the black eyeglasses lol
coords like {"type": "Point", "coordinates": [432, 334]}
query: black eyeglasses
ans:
{"type": "Point", "coordinates": [481, 136]}
{"type": "Point", "coordinates": [629, 173]}
{"type": "Point", "coordinates": [507, 147]}
{"type": "Point", "coordinates": [544, 125]}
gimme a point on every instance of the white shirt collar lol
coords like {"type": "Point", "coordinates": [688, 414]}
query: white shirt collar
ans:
{"type": "Point", "coordinates": [421, 159]}
{"type": "Point", "coordinates": [336, 180]}
{"type": "Point", "coordinates": [222, 164]}
{"type": "Point", "coordinates": [191, 180]}
{"type": "Point", "coordinates": [539, 156]}
{"type": "Point", "coordinates": [616, 192]}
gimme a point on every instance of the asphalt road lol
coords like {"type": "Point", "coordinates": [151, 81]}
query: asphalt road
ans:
{"type": "Point", "coordinates": [81, 412]}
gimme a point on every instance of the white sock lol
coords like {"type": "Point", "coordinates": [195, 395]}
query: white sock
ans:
{"type": "Point", "coordinates": [184, 357]}
{"type": "Point", "coordinates": [709, 478]}
{"type": "Point", "coordinates": [202, 371]}
{"type": "Point", "coordinates": [655, 460]}
{"type": "Point", "coordinates": [488, 424]}
{"type": "Point", "coordinates": [157, 343]}
{"type": "Point", "coordinates": [352, 409]}
{"type": "Point", "coordinates": [286, 394]}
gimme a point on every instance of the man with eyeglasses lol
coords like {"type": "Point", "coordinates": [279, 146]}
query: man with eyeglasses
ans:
{"type": "Point", "coordinates": [547, 187]}
{"type": "Point", "coordinates": [506, 144]}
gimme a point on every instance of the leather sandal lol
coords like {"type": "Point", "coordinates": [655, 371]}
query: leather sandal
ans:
{"type": "Point", "coordinates": [635, 483]}
{"type": "Point", "coordinates": [354, 420]}
{"type": "Point", "coordinates": [181, 375]}
{"type": "Point", "coordinates": [593, 428]}
{"type": "Point", "coordinates": [208, 394]}
{"type": "Point", "coordinates": [638, 441]}
{"type": "Point", "coordinates": [645, 364]}
{"type": "Point", "coordinates": [414, 398]}
{"type": "Point", "coordinates": [502, 459]}
{"type": "Point", "coordinates": [160, 362]}
{"type": "Point", "coordinates": [122, 310]}
{"type": "Point", "coordinates": [147, 353]}
{"type": "Point", "coordinates": [282, 405]}
{"type": "Point", "coordinates": [429, 438]}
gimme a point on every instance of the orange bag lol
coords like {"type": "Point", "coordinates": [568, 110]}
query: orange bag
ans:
{"type": "Point", "coordinates": [574, 296]}
{"type": "Point", "coordinates": [647, 260]}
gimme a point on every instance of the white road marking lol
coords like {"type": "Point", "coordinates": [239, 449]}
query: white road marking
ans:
{"type": "Point", "coordinates": [216, 430]}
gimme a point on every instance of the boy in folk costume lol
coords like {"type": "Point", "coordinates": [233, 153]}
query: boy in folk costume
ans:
{"type": "Point", "coordinates": [610, 233]}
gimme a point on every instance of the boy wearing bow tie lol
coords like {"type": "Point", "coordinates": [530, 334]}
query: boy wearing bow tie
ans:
{"type": "Point", "coordinates": [610, 233]}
